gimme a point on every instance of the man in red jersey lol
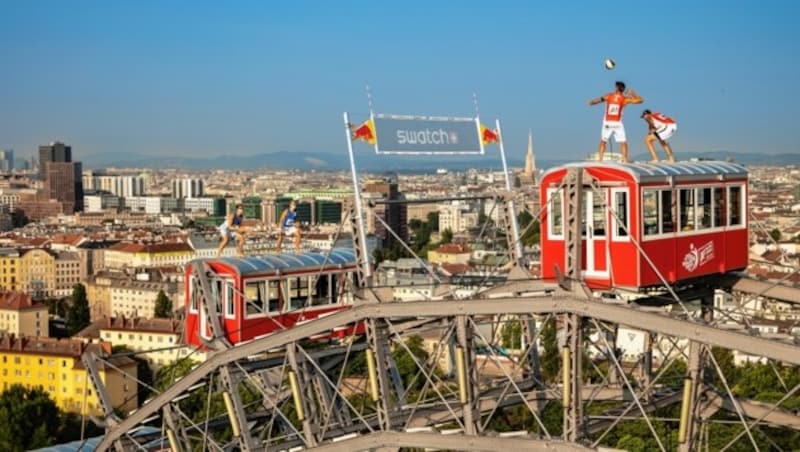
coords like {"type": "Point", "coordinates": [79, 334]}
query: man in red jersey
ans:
{"type": "Point", "coordinates": [612, 119]}
{"type": "Point", "coordinates": [661, 128]}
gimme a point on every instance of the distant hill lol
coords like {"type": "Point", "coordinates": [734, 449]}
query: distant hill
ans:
{"type": "Point", "coordinates": [299, 160]}
{"type": "Point", "coordinates": [746, 158]}
{"type": "Point", "coordinates": [368, 161]}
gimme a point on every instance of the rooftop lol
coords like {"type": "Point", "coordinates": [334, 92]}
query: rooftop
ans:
{"type": "Point", "coordinates": [133, 324]}
{"type": "Point", "coordinates": [453, 248]}
{"type": "Point", "coordinates": [151, 248]}
{"type": "Point", "coordinates": [18, 301]}
{"type": "Point", "coordinates": [644, 172]}
{"type": "Point", "coordinates": [72, 348]}
{"type": "Point", "coordinates": [271, 263]}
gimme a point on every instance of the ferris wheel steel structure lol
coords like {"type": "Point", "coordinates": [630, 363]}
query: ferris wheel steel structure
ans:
{"type": "Point", "coordinates": [284, 392]}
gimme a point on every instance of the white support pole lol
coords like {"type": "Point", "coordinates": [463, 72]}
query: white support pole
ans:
{"type": "Point", "coordinates": [517, 251]}
{"type": "Point", "coordinates": [362, 228]}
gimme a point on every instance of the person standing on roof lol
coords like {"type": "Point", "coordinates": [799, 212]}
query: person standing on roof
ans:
{"type": "Point", "coordinates": [661, 128]}
{"type": "Point", "coordinates": [288, 225]}
{"type": "Point", "coordinates": [232, 227]}
{"type": "Point", "coordinates": [612, 118]}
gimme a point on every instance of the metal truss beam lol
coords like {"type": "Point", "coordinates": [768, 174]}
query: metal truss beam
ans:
{"type": "Point", "coordinates": [572, 359]}
{"type": "Point", "coordinates": [446, 442]}
{"type": "Point", "coordinates": [573, 191]}
{"type": "Point", "coordinates": [522, 305]}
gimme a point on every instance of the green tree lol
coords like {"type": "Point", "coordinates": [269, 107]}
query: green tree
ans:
{"type": "Point", "coordinates": [78, 316]}
{"type": "Point", "coordinates": [511, 334]}
{"type": "Point", "coordinates": [163, 308]}
{"type": "Point", "coordinates": [70, 426]}
{"type": "Point", "coordinates": [28, 419]}
{"type": "Point", "coordinates": [409, 372]}
{"type": "Point", "coordinates": [517, 182]}
{"type": "Point", "coordinates": [530, 236]}
{"type": "Point", "coordinates": [56, 306]}
{"type": "Point", "coordinates": [724, 358]}
{"type": "Point", "coordinates": [143, 371]}
{"type": "Point", "coordinates": [195, 405]}
{"type": "Point", "coordinates": [447, 236]}
{"type": "Point", "coordinates": [775, 234]}
{"type": "Point", "coordinates": [551, 358]}
{"type": "Point", "coordinates": [433, 221]}
{"type": "Point", "coordinates": [632, 444]}
{"type": "Point", "coordinates": [378, 256]}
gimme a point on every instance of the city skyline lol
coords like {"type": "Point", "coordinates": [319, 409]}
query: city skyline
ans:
{"type": "Point", "coordinates": [204, 80]}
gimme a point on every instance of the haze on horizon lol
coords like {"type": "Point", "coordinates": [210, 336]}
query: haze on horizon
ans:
{"type": "Point", "coordinates": [204, 79]}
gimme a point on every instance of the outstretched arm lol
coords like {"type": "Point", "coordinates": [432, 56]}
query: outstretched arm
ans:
{"type": "Point", "coordinates": [597, 100]}
{"type": "Point", "coordinates": [631, 97]}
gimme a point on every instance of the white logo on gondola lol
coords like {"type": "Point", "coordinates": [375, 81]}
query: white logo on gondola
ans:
{"type": "Point", "coordinates": [697, 257]}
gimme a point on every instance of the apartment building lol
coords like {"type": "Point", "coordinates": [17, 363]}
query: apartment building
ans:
{"type": "Point", "coordinates": [161, 338]}
{"type": "Point", "coordinates": [56, 366]}
{"type": "Point", "coordinates": [21, 315]}
{"type": "Point", "coordinates": [117, 294]}
{"type": "Point", "coordinates": [9, 269]}
{"type": "Point", "coordinates": [141, 255]}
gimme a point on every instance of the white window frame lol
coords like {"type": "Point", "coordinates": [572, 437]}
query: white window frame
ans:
{"type": "Point", "coordinates": [615, 237]}
{"type": "Point", "coordinates": [262, 314]}
{"type": "Point", "coordinates": [659, 235]}
{"type": "Point", "coordinates": [229, 298]}
{"type": "Point", "coordinates": [328, 296]}
{"type": "Point", "coordinates": [699, 218]}
{"type": "Point", "coordinates": [693, 190]}
{"type": "Point", "coordinates": [714, 220]}
{"type": "Point", "coordinates": [742, 206]}
{"type": "Point", "coordinates": [290, 286]}
{"type": "Point", "coordinates": [603, 191]}
{"type": "Point", "coordinates": [713, 228]}
{"type": "Point", "coordinates": [550, 217]}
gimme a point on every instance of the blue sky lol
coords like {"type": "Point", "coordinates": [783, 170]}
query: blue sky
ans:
{"type": "Point", "coordinates": [205, 79]}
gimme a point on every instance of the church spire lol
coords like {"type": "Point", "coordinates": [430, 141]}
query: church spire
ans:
{"type": "Point", "coordinates": [530, 160]}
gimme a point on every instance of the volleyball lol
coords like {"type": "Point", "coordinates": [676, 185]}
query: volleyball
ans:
{"type": "Point", "coordinates": [609, 63]}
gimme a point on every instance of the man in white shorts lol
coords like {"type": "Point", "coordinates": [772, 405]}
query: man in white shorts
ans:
{"type": "Point", "coordinates": [661, 128]}
{"type": "Point", "coordinates": [612, 118]}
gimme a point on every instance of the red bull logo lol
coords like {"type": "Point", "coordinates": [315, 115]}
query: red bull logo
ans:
{"type": "Point", "coordinates": [365, 132]}
{"type": "Point", "coordinates": [697, 257]}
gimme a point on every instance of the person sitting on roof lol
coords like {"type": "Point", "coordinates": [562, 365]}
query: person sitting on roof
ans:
{"type": "Point", "coordinates": [232, 227]}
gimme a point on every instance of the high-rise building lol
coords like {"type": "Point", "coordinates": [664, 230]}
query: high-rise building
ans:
{"type": "Point", "coordinates": [187, 188]}
{"type": "Point", "coordinates": [119, 185]}
{"type": "Point", "coordinates": [395, 214]}
{"type": "Point", "coordinates": [64, 182]}
{"type": "Point", "coordinates": [269, 213]}
{"type": "Point", "coordinates": [328, 211]}
{"type": "Point", "coordinates": [6, 160]}
{"type": "Point", "coordinates": [53, 152]}
{"type": "Point", "coordinates": [252, 207]}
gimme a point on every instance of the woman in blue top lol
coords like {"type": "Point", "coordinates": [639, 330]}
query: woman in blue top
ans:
{"type": "Point", "coordinates": [288, 225]}
{"type": "Point", "coordinates": [232, 227]}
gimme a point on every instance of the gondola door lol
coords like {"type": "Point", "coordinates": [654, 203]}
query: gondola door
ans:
{"type": "Point", "coordinates": [595, 233]}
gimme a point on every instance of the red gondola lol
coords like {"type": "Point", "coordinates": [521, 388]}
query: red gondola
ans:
{"type": "Point", "coordinates": [263, 294]}
{"type": "Point", "coordinates": [680, 220]}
